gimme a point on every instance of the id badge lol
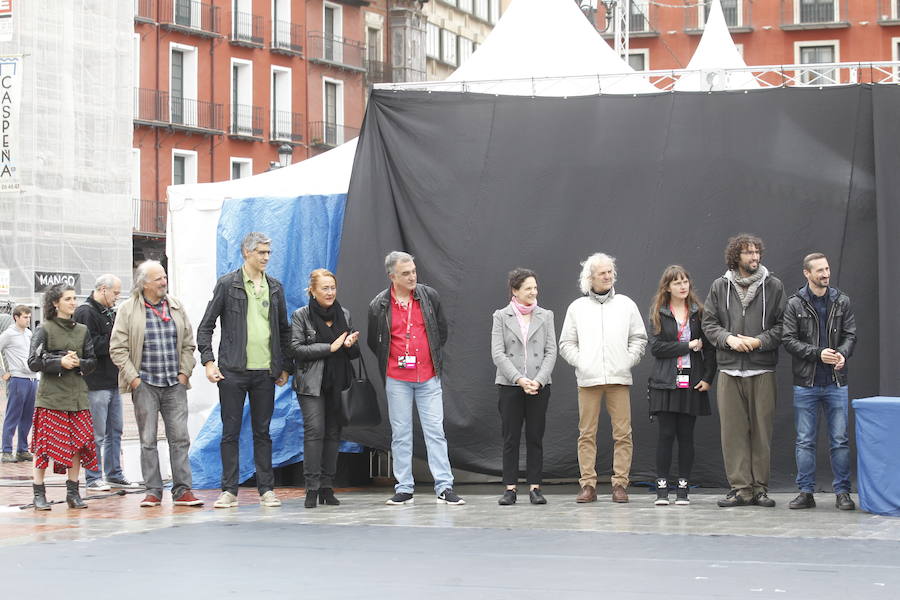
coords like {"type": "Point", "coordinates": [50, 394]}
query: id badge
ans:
{"type": "Point", "coordinates": [682, 381]}
{"type": "Point", "coordinates": [406, 362]}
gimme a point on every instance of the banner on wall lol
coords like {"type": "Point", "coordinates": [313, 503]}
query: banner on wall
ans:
{"type": "Point", "coordinates": [10, 92]}
{"type": "Point", "coordinates": [6, 20]}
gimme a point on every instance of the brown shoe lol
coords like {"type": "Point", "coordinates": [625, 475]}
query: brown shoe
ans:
{"type": "Point", "coordinates": [619, 494]}
{"type": "Point", "coordinates": [587, 494]}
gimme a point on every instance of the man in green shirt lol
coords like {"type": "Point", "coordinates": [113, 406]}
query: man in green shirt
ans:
{"type": "Point", "coordinates": [254, 357]}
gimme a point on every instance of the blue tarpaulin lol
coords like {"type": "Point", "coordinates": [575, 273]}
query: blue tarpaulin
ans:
{"type": "Point", "coordinates": [306, 235]}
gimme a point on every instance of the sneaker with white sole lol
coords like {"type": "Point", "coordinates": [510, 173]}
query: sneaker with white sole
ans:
{"type": "Point", "coordinates": [448, 496]}
{"type": "Point", "coordinates": [226, 500]}
{"type": "Point", "coordinates": [662, 492]}
{"type": "Point", "coordinates": [121, 482]}
{"type": "Point", "coordinates": [268, 499]}
{"type": "Point", "coordinates": [682, 493]}
{"type": "Point", "coordinates": [97, 485]}
{"type": "Point", "coordinates": [400, 498]}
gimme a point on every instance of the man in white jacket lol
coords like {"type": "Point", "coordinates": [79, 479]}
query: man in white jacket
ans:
{"type": "Point", "coordinates": [603, 337]}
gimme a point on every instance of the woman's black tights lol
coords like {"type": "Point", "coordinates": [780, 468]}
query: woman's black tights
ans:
{"type": "Point", "coordinates": [672, 426]}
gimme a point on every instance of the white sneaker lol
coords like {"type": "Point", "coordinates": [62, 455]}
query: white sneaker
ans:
{"type": "Point", "coordinates": [226, 500]}
{"type": "Point", "coordinates": [268, 499]}
{"type": "Point", "coordinates": [97, 486]}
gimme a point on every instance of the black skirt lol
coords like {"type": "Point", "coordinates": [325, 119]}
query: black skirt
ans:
{"type": "Point", "coordinates": [683, 400]}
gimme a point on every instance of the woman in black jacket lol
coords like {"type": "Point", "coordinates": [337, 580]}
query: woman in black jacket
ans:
{"type": "Point", "coordinates": [323, 342]}
{"type": "Point", "coordinates": [681, 376]}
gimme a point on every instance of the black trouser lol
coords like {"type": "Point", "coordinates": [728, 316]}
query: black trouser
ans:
{"type": "Point", "coordinates": [233, 390]}
{"type": "Point", "coordinates": [515, 407]}
{"type": "Point", "coordinates": [672, 426]}
{"type": "Point", "coordinates": [321, 438]}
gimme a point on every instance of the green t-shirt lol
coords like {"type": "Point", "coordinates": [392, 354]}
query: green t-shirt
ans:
{"type": "Point", "coordinates": [259, 356]}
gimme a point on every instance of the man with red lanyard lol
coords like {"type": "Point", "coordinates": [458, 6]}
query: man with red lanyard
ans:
{"type": "Point", "coordinates": [407, 332]}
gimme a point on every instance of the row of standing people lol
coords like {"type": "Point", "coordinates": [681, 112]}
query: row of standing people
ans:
{"type": "Point", "coordinates": [735, 333]}
{"type": "Point", "coordinates": [603, 337]}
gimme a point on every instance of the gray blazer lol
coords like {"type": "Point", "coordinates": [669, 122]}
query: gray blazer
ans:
{"type": "Point", "coordinates": [507, 347]}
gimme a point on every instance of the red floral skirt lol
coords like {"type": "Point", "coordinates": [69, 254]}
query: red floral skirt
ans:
{"type": "Point", "coordinates": [59, 435]}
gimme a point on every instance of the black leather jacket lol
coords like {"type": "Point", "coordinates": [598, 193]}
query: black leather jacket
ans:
{"type": "Point", "coordinates": [801, 333]}
{"type": "Point", "coordinates": [310, 354]}
{"type": "Point", "coordinates": [229, 305]}
{"type": "Point", "coordinates": [666, 349]}
{"type": "Point", "coordinates": [99, 321]}
{"type": "Point", "coordinates": [379, 335]}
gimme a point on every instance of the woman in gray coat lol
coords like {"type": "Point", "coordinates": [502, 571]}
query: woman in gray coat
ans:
{"type": "Point", "coordinates": [523, 347]}
{"type": "Point", "coordinates": [323, 342]}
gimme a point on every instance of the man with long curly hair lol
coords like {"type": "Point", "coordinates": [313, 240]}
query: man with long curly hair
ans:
{"type": "Point", "coordinates": [743, 320]}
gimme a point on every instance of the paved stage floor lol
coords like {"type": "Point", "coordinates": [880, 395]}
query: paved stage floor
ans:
{"type": "Point", "coordinates": [364, 549]}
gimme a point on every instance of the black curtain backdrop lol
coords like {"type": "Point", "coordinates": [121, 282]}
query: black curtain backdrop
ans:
{"type": "Point", "coordinates": [474, 185]}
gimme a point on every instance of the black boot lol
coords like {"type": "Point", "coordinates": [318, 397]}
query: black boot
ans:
{"type": "Point", "coordinates": [662, 492]}
{"type": "Point", "coordinates": [73, 498]}
{"type": "Point", "coordinates": [326, 496]}
{"type": "Point", "coordinates": [312, 496]}
{"type": "Point", "coordinates": [40, 497]}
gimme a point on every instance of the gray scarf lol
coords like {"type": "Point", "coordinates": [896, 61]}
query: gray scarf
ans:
{"type": "Point", "coordinates": [601, 298]}
{"type": "Point", "coordinates": [748, 286]}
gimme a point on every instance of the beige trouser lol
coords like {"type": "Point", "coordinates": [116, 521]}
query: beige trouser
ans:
{"type": "Point", "coordinates": [746, 409]}
{"type": "Point", "coordinates": [618, 405]}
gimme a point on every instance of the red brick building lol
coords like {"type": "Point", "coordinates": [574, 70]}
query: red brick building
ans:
{"type": "Point", "coordinates": [665, 33]}
{"type": "Point", "coordinates": [226, 89]}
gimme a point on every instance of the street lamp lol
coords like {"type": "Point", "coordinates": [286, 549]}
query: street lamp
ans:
{"type": "Point", "coordinates": [285, 154]}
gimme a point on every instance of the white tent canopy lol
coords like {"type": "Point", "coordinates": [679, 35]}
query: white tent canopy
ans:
{"type": "Point", "coordinates": [715, 55]}
{"type": "Point", "coordinates": [551, 40]}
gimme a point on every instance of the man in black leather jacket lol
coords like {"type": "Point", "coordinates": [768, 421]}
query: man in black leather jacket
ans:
{"type": "Point", "coordinates": [820, 333]}
{"type": "Point", "coordinates": [254, 357]}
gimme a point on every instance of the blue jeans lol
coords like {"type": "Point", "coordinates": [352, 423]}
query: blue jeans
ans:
{"type": "Point", "coordinates": [20, 392]}
{"type": "Point", "coordinates": [106, 411]}
{"type": "Point", "coordinates": [430, 403]}
{"type": "Point", "coordinates": [833, 400]}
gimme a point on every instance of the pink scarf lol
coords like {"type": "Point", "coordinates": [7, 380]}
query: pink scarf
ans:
{"type": "Point", "coordinates": [523, 309]}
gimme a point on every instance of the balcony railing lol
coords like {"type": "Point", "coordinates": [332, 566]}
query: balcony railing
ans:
{"type": "Point", "coordinates": [145, 10]}
{"type": "Point", "coordinates": [287, 37]}
{"type": "Point", "coordinates": [324, 134]}
{"type": "Point", "coordinates": [246, 121]}
{"type": "Point", "coordinates": [333, 50]}
{"type": "Point", "coordinates": [149, 215]}
{"type": "Point", "coordinates": [156, 107]}
{"type": "Point", "coordinates": [737, 16]}
{"type": "Point", "coordinates": [378, 71]}
{"type": "Point", "coordinates": [190, 16]}
{"type": "Point", "coordinates": [247, 29]}
{"type": "Point", "coordinates": [814, 14]}
{"type": "Point", "coordinates": [287, 126]}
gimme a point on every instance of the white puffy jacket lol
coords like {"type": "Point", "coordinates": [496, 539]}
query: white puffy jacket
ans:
{"type": "Point", "coordinates": [603, 340]}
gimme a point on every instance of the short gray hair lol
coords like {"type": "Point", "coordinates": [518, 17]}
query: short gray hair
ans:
{"type": "Point", "coordinates": [140, 276]}
{"type": "Point", "coordinates": [587, 269]}
{"type": "Point", "coordinates": [254, 239]}
{"type": "Point", "coordinates": [107, 280]}
{"type": "Point", "coordinates": [395, 257]}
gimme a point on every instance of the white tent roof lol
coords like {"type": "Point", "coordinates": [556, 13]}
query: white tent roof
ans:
{"type": "Point", "coordinates": [715, 53]}
{"type": "Point", "coordinates": [537, 39]}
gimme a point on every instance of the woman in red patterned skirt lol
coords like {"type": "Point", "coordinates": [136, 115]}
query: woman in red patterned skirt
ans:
{"type": "Point", "coordinates": [63, 430]}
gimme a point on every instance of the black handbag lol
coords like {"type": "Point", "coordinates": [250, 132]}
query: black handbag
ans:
{"type": "Point", "coordinates": [359, 402]}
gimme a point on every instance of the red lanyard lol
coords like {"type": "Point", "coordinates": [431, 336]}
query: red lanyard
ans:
{"type": "Point", "coordinates": [408, 322]}
{"type": "Point", "coordinates": [164, 317]}
{"type": "Point", "coordinates": [681, 328]}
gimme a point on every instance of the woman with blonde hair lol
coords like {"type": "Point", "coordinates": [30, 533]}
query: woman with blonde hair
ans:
{"type": "Point", "coordinates": [323, 342]}
{"type": "Point", "coordinates": [683, 370]}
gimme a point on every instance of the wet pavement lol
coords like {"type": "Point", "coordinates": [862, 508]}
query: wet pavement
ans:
{"type": "Point", "coordinates": [364, 548]}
